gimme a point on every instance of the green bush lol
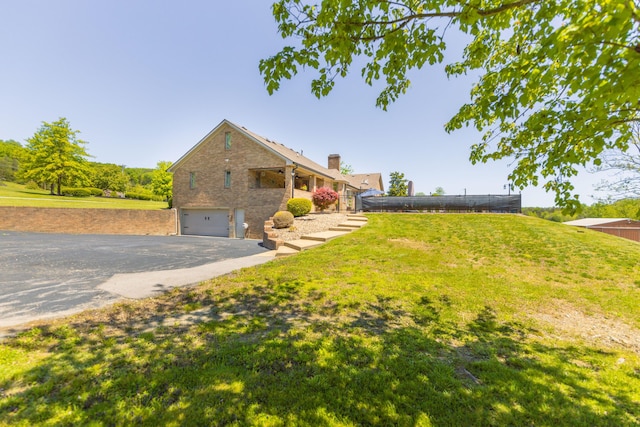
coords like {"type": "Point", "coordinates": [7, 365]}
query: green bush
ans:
{"type": "Point", "coordinates": [75, 192]}
{"type": "Point", "coordinates": [32, 185]}
{"type": "Point", "coordinates": [282, 219]}
{"type": "Point", "coordinates": [81, 192]}
{"type": "Point", "coordinates": [95, 191]}
{"type": "Point", "coordinates": [299, 206]}
{"type": "Point", "coordinates": [137, 196]}
{"type": "Point", "coordinates": [142, 196]}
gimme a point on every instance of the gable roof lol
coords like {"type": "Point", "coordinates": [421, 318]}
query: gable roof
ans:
{"type": "Point", "coordinates": [290, 156]}
{"type": "Point", "coordinates": [365, 181]}
{"type": "Point", "coordinates": [592, 222]}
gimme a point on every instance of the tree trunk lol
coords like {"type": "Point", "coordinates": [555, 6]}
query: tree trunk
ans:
{"type": "Point", "coordinates": [59, 186]}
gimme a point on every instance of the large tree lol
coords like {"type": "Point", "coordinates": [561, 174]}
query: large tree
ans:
{"type": "Point", "coordinates": [397, 184]}
{"type": "Point", "coordinates": [162, 182]}
{"type": "Point", "coordinates": [10, 154]}
{"type": "Point", "coordinates": [56, 156]}
{"type": "Point", "coordinates": [109, 176]}
{"type": "Point", "coordinates": [559, 79]}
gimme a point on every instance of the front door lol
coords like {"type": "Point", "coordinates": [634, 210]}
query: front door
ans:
{"type": "Point", "coordinates": [240, 223]}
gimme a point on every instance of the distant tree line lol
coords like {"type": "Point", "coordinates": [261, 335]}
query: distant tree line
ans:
{"type": "Point", "coordinates": [55, 159]}
{"type": "Point", "coordinates": [625, 208]}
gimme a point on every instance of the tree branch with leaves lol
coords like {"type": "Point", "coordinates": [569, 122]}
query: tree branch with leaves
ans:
{"type": "Point", "coordinates": [559, 79]}
{"type": "Point", "coordinates": [625, 168]}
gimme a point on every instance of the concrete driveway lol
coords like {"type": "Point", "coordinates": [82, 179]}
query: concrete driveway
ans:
{"type": "Point", "coordinates": [52, 275]}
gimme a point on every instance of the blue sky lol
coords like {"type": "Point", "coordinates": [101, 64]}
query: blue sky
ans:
{"type": "Point", "coordinates": [144, 81]}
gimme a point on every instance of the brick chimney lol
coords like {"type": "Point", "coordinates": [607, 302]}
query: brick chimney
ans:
{"type": "Point", "coordinates": [334, 161]}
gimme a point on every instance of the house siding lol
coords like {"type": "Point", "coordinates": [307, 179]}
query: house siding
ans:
{"type": "Point", "coordinates": [210, 161]}
{"type": "Point", "coordinates": [625, 232]}
{"type": "Point", "coordinates": [625, 228]}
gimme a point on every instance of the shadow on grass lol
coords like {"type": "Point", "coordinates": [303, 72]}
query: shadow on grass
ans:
{"type": "Point", "coordinates": [268, 356]}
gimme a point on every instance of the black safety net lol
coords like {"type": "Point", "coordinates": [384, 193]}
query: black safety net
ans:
{"type": "Point", "coordinates": [463, 203]}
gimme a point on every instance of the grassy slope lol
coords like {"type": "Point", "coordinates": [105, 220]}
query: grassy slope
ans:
{"type": "Point", "coordinates": [413, 320]}
{"type": "Point", "coordinates": [12, 194]}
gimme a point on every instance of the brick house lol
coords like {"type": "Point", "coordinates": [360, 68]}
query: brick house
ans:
{"type": "Point", "coordinates": [234, 176]}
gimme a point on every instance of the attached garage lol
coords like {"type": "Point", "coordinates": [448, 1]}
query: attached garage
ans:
{"type": "Point", "coordinates": [205, 222]}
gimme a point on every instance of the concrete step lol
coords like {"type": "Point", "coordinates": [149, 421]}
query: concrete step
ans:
{"type": "Point", "coordinates": [345, 229]}
{"type": "Point", "coordinates": [352, 224]}
{"type": "Point", "coordinates": [356, 217]}
{"type": "Point", "coordinates": [302, 244]}
{"type": "Point", "coordinates": [286, 251]}
{"type": "Point", "coordinates": [325, 236]}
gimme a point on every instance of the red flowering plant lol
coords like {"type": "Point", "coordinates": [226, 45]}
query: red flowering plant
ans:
{"type": "Point", "coordinates": [323, 198]}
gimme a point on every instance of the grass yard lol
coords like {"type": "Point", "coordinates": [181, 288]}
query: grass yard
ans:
{"type": "Point", "coordinates": [414, 320]}
{"type": "Point", "coordinates": [12, 194]}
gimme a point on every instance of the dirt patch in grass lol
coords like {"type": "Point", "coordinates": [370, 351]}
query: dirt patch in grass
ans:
{"type": "Point", "coordinates": [593, 328]}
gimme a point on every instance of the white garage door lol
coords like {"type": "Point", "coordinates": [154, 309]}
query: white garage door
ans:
{"type": "Point", "coordinates": [205, 222]}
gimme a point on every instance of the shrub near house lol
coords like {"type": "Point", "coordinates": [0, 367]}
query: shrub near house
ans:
{"type": "Point", "coordinates": [324, 197]}
{"type": "Point", "coordinates": [299, 206]}
{"type": "Point", "coordinates": [282, 219]}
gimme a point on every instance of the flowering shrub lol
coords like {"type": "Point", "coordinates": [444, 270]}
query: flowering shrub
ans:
{"type": "Point", "coordinates": [324, 197]}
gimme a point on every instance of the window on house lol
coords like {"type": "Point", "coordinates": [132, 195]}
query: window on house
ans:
{"type": "Point", "coordinates": [227, 140]}
{"type": "Point", "coordinates": [227, 179]}
{"type": "Point", "coordinates": [192, 180]}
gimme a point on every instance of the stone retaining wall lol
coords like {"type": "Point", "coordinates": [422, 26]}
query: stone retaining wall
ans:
{"type": "Point", "coordinates": [269, 237]}
{"type": "Point", "coordinates": [89, 221]}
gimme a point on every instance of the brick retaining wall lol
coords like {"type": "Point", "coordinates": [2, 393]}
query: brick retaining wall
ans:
{"type": "Point", "coordinates": [89, 221]}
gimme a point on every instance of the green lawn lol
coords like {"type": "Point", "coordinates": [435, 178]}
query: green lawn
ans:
{"type": "Point", "coordinates": [414, 320]}
{"type": "Point", "coordinates": [12, 194]}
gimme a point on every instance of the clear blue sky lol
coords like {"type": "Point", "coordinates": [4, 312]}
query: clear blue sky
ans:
{"type": "Point", "coordinates": [144, 81]}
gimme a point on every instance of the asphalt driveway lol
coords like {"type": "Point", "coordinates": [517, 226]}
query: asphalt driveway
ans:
{"type": "Point", "coordinates": [51, 275]}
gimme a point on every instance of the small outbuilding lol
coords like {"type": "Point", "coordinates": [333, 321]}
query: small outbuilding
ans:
{"type": "Point", "coordinates": [621, 227]}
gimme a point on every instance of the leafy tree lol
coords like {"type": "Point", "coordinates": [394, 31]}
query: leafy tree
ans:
{"type": "Point", "coordinates": [558, 79]}
{"type": "Point", "coordinates": [397, 184]}
{"type": "Point", "coordinates": [439, 191]}
{"type": "Point", "coordinates": [346, 169]}
{"type": "Point", "coordinates": [625, 208]}
{"type": "Point", "coordinates": [10, 154]}
{"type": "Point", "coordinates": [162, 182]}
{"type": "Point", "coordinates": [550, 214]}
{"type": "Point", "coordinates": [140, 176]}
{"type": "Point", "coordinates": [324, 197]}
{"type": "Point", "coordinates": [11, 148]}
{"type": "Point", "coordinates": [56, 156]}
{"type": "Point", "coordinates": [109, 176]}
